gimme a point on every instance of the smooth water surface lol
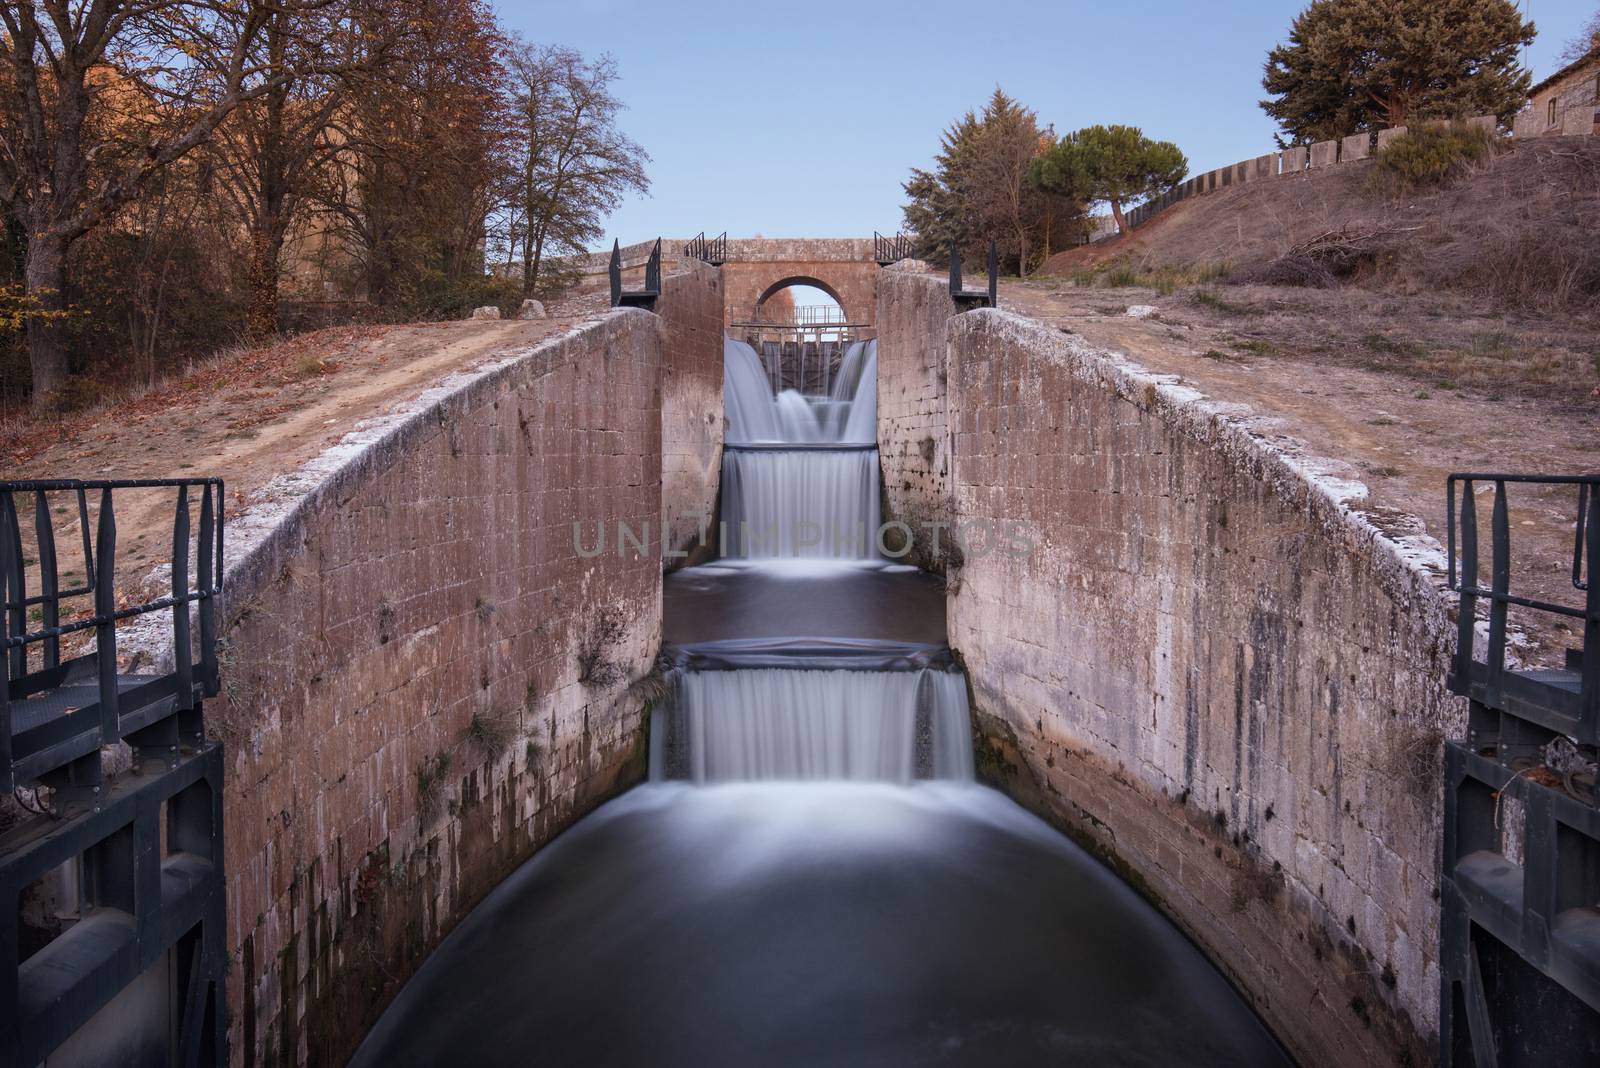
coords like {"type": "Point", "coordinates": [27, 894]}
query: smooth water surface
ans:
{"type": "Point", "coordinates": [770, 924]}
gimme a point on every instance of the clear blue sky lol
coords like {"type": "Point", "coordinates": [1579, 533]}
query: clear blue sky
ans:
{"type": "Point", "coordinates": [804, 119]}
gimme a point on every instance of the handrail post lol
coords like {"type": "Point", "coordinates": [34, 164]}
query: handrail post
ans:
{"type": "Point", "coordinates": [105, 606]}
{"type": "Point", "coordinates": [182, 654]}
{"type": "Point", "coordinates": [12, 582]}
{"type": "Point", "coordinates": [994, 274]}
{"type": "Point", "coordinates": [1589, 684]}
{"type": "Point", "coordinates": [616, 272]}
{"type": "Point", "coordinates": [1500, 585]}
{"type": "Point", "coordinates": [49, 577]}
{"type": "Point", "coordinates": [7, 783]}
{"type": "Point", "coordinates": [1466, 621]}
{"type": "Point", "coordinates": [207, 583]}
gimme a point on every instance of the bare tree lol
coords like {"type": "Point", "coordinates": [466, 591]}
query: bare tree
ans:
{"type": "Point", "coordinates": [274, 147]}
{"type": "Point", "coordinates": [421, 157]}
{"type": "Point", "coordinates": [573, 165]}
{"type": "Point", "coordinates": [1587, 41]}
{"type": "Point", "coordinates": [179, 67]}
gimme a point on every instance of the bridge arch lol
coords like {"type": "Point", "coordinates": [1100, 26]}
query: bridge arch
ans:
{"type": "Point", "coordinates": [844, 269]}
{"type": "Point", "coordinates": [799, 280]}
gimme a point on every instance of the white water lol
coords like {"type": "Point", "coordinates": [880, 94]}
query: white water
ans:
{"type": "Point", "coordinates": [814, 504]}
{"type": "Point", "coordinates": [808, 502]}
{"type": "Point", "coordinates": [847, 414]}
{"type": "Point", "coordinates": [770, 724]}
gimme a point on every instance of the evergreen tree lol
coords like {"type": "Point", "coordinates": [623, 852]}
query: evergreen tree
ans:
{"type": "Point", "coordinates": [1110, 164]}
{"type": "Point", "coordinates": [1354, 65]}
{"type": "Point", "coordinates": [981, 190]}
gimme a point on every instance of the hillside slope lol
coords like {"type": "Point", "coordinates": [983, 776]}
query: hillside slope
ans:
{"type": "Point", "coordinates": [1520, 230]}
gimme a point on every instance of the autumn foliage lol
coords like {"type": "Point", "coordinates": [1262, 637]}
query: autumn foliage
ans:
{"type": "Point", "coordinates": [182, 175]}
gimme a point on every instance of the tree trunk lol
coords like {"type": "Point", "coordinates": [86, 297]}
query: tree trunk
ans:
{"type": "Point", "coordinates": [262, 320]}
{"type": "Point", "coordinates": [45, 270]}
{"type": "Point", "coordinates": [1116, 213]}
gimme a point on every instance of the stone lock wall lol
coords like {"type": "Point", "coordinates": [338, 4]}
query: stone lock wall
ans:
{"type": "Point", "coordinates": [692, 422]}
{"type": "Point", "coordinates": [423, 679]}
{"type": "Point", "coordinates": [913, 438]}
{"type": "Point", "coordinates": [1212, 671]}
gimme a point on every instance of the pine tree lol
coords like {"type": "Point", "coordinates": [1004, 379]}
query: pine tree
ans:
{"type": "Point", "coordinates": [1355, 65]}
{"type": "Point", "coordinates": [1112, 165]}
{"type": "Point", "coordinates": [981, 190]}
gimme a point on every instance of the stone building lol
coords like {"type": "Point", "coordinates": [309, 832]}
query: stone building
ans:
{"type": "Point", "coordinates": [1567, 102]}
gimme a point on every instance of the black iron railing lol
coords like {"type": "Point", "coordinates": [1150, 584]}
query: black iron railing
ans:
{"type": "Point", "coordinates": [1568, 699]}
{"type": "Point", "coordinates": [636, 298]}
{"type": "Point", "coordinates": [887, 250]}
{"type": "Point", "coordinates": [965, 299]}
{"type": "Point", "coordinates": [134, 862]}
{"type": "Point", "coordinates": [713, 251]}
{"type": "Point", "coordinates": [55, 712]}
{"type": "Point", "coordinates": [1520, 879]}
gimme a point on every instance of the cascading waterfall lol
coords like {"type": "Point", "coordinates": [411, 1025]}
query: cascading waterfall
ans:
{"type": "Point", "coordinates": [883, 726]}
{"type": "Point", "coordinates": [800, 474]}
{"type": "Point", "coordinates": [779, 503]}
{"type": "Point", "coordinates": [829, 886]}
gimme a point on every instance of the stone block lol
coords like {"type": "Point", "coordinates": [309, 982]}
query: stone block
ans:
{"type": "Point", "coordinates": [1243, 171]}
{"type": "Point", "coordinates": [1267, 166]}
{"type": "Point", "coordinates": [1354, 147]}
{"type": "Point", "coordinates": [1294, 160]}
{"type": "Point", "coordinates": [488, 311]}
{"type": "Point", "coordinates": [1387, 137]}
{"type": "Point", "coordinates": [1324, 153]}
{"type": "Point", "coordinates": [1578, 120]}
{"type": "Point", "coordinates": [531, 309]}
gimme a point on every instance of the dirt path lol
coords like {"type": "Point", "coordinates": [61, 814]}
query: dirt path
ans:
{"type": "Point", "coordinates": [248, 417]}
{"type": "Point", "coordinates": [1402, 433]}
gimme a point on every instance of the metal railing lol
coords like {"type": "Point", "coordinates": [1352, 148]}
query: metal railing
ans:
{"type": "Point", "coordinates": [1519, 878]}
{"type": "Point", "coordinates": [713, 251]}
{"type": "Point", "coordinates": [1554, 700]}
{"type": "Point", "coordinates": [62, 711]}
{"type": "Point", "coordinates": [135, 861]}
{"type": "Point", "coordinates": [887, 250]}
{"type": "Point", "coordinates": [806, 315]}
{"type": "Point", "coordinates": [636, 298]}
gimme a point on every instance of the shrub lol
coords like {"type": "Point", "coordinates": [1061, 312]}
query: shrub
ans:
{"type": "Point", "coordinates": [1428, 157]}
{"type": "Point", "coordinates": [1303, 271]}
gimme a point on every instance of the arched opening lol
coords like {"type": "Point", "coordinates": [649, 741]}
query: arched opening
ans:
{"type": "Point", "coordinates": [800, 328]}
{"type": "Point", "coordinates": [807, 304]}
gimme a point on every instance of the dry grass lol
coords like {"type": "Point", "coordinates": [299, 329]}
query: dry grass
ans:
{"type": "Point", "coordinates": [1442, 342]}
{"type": "Point", "coordinates": [247, 371]}
{"type": "Point", "coordinates": [1518, 230]}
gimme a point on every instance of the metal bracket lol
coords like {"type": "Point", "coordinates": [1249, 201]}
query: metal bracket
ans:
{"type": "Point", "coordinates": [965, 299]}
{"type": "Point", "coordinates": [638, 298]}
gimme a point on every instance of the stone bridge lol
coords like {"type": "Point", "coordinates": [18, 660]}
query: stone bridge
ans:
{"type": "Point", "coordinates": [758, 267]}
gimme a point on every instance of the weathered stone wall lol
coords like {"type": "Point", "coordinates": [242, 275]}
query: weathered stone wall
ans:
{"type": "Point", "coordinates": [1213, 672]}
{"type": "Point", "coordinates": [853, 284]}
{"type": "Point", "coordinates": [423, 680]}
{"type": "Point", "coordinates": [913, 438]}
{"type": "Point", "coordinates": [691, 404]}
